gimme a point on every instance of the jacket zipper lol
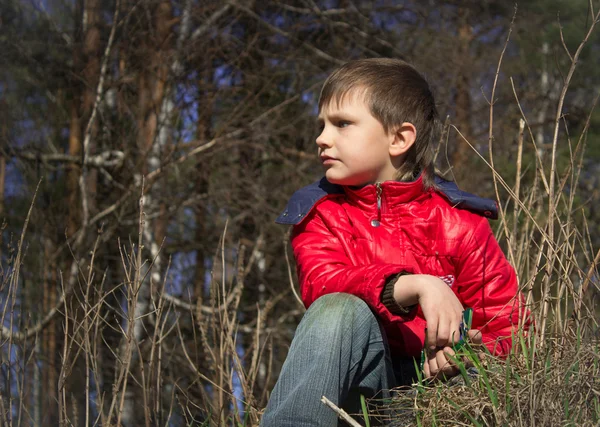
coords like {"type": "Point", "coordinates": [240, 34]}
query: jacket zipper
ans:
{"type": "Point", "coordinates": [377, 222]}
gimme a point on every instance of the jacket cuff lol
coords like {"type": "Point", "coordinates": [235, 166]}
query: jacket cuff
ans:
{"type": "Point", "coordinates": [387, 297]}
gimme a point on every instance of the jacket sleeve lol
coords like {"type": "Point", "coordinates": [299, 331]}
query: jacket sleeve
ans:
{"type": "Point", "coordinates": [325, 265]}
{"type": "Point", "coordinates": [487, 283]}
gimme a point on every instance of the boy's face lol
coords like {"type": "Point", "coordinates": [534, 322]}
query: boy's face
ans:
{"type": "Point", "coordinates": [353, 146]}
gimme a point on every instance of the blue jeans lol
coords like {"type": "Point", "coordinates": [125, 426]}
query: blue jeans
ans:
{"type": "Point", "coordinates": [339, 351]}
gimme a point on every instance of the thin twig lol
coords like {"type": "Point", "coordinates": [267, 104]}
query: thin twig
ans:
{"type": "Point", "coordinates": [513, 239]}
{"type": "Point", "coordinates": [584, 287]}
{"type": "Point", "coordinates": [562, 38]}
{"type": "Point", "coordinates": [539, 164]}
{"type": "Point", "coordinates": [208, 24]}
{"type": "Point", "coordinates": [343, 415]}
{"type": "Point", "coordinates": [178, 302]}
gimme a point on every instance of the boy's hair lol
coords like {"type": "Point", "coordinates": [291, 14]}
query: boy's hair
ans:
{"type": "Point", "coordinates": [395, 93]}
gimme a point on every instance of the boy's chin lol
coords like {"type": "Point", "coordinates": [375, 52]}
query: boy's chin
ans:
{"type": "Point", "coordinates": [336, 179]}
{"type": "Point", "coordinates": [346, 181]}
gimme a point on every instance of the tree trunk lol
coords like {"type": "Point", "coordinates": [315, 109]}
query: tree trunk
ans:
{"type": "Point", "coordinates": [4, 143]}
{"type": "Point", "coordinates": [86, 63]}
{"type": "Point", "coordinates": [49, 338]}
{"type": "Point", "coordinates": [463, 96]}
{"type": "Point", "coordinates": [152, 86]}
{"type": "Point", "coordinates": [86, 60]}
{"type": "Point", "coordinates": [203, 132]}
{"type": "Point", "coordinates": [73, 170]}
{"type": "Point", "coordinates": [543, 106]}
{"type": "Point", "coordinates": [92, 55]}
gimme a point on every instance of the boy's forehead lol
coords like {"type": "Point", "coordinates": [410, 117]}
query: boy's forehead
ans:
{"type": "Point", "coordinates": [352, 97]}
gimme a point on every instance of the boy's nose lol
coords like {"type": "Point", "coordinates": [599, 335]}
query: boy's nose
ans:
{"type": "Point", "coordinates": [323, 141]}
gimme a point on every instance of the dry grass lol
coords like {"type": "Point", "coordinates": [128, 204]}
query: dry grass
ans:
{"type": "Point", "coordinates": [188, 368]}
{"type": "Point", "coordinates": [558, 384]}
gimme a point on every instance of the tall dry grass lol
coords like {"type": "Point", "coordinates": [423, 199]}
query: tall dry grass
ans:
{"type": "Point", "coordinates": [190, 369]}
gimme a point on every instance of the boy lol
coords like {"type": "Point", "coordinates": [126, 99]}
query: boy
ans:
{"type": "Point", "coordinates": [388, 255]}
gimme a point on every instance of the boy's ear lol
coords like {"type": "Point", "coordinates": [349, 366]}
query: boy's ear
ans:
{"type": "Point", "coordinates": [403, 137]}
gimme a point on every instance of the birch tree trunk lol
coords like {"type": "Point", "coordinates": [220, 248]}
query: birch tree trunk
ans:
{"type": "Point", "coordinates": [543, 107]}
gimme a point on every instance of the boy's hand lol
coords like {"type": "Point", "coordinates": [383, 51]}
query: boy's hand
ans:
{"type": "Point", "coordinates": [440, 306]}
{"type": "Point", "coordinates": [442, 311]}
{"type": "Point", "coordinates": [438, 362]}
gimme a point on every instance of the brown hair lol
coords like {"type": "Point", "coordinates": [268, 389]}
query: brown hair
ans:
{"type": "Point", "coordinates": [395, 93]}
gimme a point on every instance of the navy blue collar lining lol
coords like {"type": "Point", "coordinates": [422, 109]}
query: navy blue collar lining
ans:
{"type": "Point", "coordinates": [303, 200]}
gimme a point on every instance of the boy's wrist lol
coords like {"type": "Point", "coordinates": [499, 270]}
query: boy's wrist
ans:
{"type": "Point", "coordinates": [406, 293]}
{"type": "Point", "coordinates": [389, 296]}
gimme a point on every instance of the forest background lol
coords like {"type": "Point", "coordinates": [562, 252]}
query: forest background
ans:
{"type": "Point", "coordinates": [147, 146]}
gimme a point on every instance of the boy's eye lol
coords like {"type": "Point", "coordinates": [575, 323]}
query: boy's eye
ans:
{"type": "Point", "coordinates": [343, 124]}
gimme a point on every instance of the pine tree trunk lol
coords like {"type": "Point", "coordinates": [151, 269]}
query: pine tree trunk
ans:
{"type": "Point", "coordinates": [37, 385]}
{"type": "Point", "coordinates": [152, 87]}
{"type": "Point", "coordinates": [86, 63]}
{"type": "Point", "coordinates": [92, 54]}
{"type": "Point", "coordinates": [49, 336]}
{"type": "Point", "coordinates": [463, 96]}
{"type": "Point", "coordinates": [4, 142]}
{"type": "Point", "coordinates": [203, 133]}
{"type": "Point", "coordinates": [73, 170]}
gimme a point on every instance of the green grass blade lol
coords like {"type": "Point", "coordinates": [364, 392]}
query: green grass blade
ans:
{"type": "Point", "coordinates": [363, 404]}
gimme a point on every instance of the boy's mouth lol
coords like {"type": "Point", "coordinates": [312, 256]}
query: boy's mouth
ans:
{"type": "Point", "coordinates": [327, 159]}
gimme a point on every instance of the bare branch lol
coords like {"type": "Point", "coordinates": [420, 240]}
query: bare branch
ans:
{"type": "Point", "coordinates": [210, 22]}
{"type": "Point", "coordinates": [562, 39]}
{"type": "Point", "coordinates": [307, 11]}
{"type": "Point", "coordinates": [38, 327]}
{"type": "Point", "coordinates": [106, 159]}
{"type": "Point", "coordinates": [279, 31]}
{"type": "Point", "coordinates": [177, 302]}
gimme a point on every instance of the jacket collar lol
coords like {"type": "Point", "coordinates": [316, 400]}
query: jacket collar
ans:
{"type": "Point", "coordinates": [303, 200]}
{"type": "Point", "coordinates": [390, 193]}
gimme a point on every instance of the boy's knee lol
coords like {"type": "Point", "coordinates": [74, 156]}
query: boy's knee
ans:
{"type": "Point", "coordinates": [341, 303]}
{"type": "Point", "coordinates": [336, 320]}
{"type": "Point", "coordinates": [337, 310]}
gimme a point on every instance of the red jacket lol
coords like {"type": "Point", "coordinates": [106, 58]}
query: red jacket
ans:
{"type": "Point", "coordinates": [338, 249]}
